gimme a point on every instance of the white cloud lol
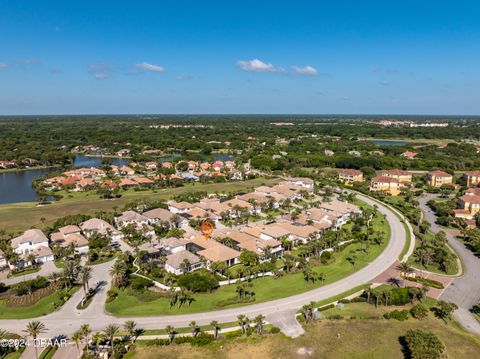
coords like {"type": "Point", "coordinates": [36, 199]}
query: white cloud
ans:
{"type": "Point", "coordinates": [102, 76]}
{"type": "Point", "coordinates": [256, 65]}
{"type": "Point", "coordinates": [307, 70]}
{"type": "Point", "coordinates": [385, 83]}
{"type": "Point", "coordinates": [150, 67]}
{"type": "Point", "coordinates": [3, 65]}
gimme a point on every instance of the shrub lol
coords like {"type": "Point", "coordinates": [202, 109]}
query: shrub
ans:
{"type": "Point", "coordinates": [358, 300]}
{"type": "Point", "coordinates": [197, 282]}
{"type": "Point", "coordinates": [111, 295]}
{"type": "Point", "coordinates": [428, 282]}
{"type": "Point", "coordinates": [399, 296]}
{"type": "Point", "coordinates": [419, 311]}
{"type": "Point", "coordinates": [275, 330]}
{"type": "Point", "coordinates": [422, 344]}
{"type": "Point", "coordinates": [325, 257]}
{"type": "Point", "coordinates": [397, 315]}
{"type": "Point", "coordinates": [139, 282]}
{"type": "Point", "coordinates": [330, 306]}
{"type": "Point", "coordinates": [202, 339]}
{"type": "Point", "coordinates": [335, 317]}
{"type": "Point", "coordinates": [30, 286]}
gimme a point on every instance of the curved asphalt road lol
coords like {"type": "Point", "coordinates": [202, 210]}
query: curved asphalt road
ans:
{"type": "Point", "coordinates": [465, 290]}
{"type": "Point", "coordinates": [279, 312]}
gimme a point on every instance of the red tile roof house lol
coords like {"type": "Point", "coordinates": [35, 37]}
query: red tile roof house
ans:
{"type": "Point", "coordinates": [126, 182]}
{"type": "Point", "coordinates": [409, 155]}
{"type": "Point", "coordinates": [144, 181]}
{"type": "Point", "coordinates": [125, 170]}
{"type": "Point", "coordinates": [217, 166]}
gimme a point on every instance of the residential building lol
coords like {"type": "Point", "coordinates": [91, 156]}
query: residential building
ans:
{"type": "Point", "coordinates": [472, 178]}
{"type": "Point", "coordinates": [32, 241]}
{"type": "Point", "coordinates": [132, 217]}
{"type": "Point", "coordinates": [96, 225]}
{"type": "Point", "coordinates": [3, 260]}
{"type": "Point", "coordinates": [468, 206]}
{"type": "Point", "coordinates": [348, 175]}
{"type": "Point", "coordinates": [179, 207]}
{"type": "Point", "coordinates": [301, 181]}
{"type": "Point", "coordinates": [182, 262]}
{"type": "Point", "coordinates": [386, 184]}
{"type": "Point", "coordinates": [409, 155]}
{"type": "Point", "coordinates": [439, 178]}
{"type": "Point", "coordinates": [400, 175]}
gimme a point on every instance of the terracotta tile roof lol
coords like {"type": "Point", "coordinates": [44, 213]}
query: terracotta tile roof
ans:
{"type": "Point", "coordinates": [219, 253]}
{"type": "Point", "coordinates": [439, 174]}
{"type": "Point", "coordinates": [395, 172]}
{"type": "Point", "coordinates": [159, 213]}
{"type": "Point", "coordinates": [176, 259]}
{"type": "Point", "coordinates": [384, 179]}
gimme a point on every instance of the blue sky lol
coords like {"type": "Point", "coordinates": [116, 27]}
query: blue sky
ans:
{"type": "Point", "coordinates": [385, 57]}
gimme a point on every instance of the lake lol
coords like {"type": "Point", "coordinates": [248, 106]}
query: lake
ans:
{"type": "Point", "coordinates": [17, 186]}
{"type": "Point", "coordinates": [389, 143]}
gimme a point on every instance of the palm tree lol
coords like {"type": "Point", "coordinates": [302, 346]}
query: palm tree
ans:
{"type": "Point", "coordinates": [242, 321]}
{"type": "Point", "coordinates": [85, 276]}
{"type": "Point", "coordinates": [171, 333]}
{"type": "Point", "coordinates": [110, 331]}
{"type": "Point", "coordinates": [85, 330]}
{"type": "Point", "coordinates": [404, 268]}
{"type": "Point", "coordinates": [77, 338]}
{"type": "Point", "coordinates": [195, 328]}
{"type": "Point", "coordinates": [33, 329]}
{"type": "Point", "coordinates": [131, 328]}
{"type": "Point", "coordinates": [259, 323]}
{"type": "Point", "coordinates": [118, 273]}
{"type": "Point", "coordinates": [216, 328]}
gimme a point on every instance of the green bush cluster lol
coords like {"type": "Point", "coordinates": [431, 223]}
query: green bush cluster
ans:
{"type": "Point", "coordinates": [397, 315]}
{"type": "Point", "coordinates": [30, 286]}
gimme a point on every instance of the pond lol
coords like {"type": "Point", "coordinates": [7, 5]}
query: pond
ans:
{"type": "Point", "coordinates": [389, 143]}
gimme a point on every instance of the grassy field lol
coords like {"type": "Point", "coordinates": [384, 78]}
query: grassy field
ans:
{"type": "Point", "coordinates": [265, 289]}
{"type": "Point", "coordinates": [370, 339]}
{"type": "Point", "coordinates": [21, 216]}
{"type": "Point", "coordinates": [434, 267]}
{"type": "Point", "coordinates": [42, 307]}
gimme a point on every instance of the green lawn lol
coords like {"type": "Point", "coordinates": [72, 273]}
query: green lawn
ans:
{"type": "Point", "coordinates": [48, 353]}
{"type": "Point", "coordinates": [21, 216]}
{"type": "Point", "coordinates": [27, 270]}
{"type": "Point", "coordinates": [433, 267]}
{"type": "Point", "coordinates": [265, 289]}
{"type": "Point", "coordinates": [42, 307]}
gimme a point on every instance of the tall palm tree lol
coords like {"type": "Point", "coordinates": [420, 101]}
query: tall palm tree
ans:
{"type": "Point", "coordinates": [171, 333]}
{"type": "Point", "coordinates": [77, 338]}
{"type": "Point", "coordinates": [118, 273]}
{"type": "Point", "coordinates": [242, 321]}
{"type": "Point", "coordinates": [33, 329]}
{"type": "Point", "coordinates": [195, 328]}
{"type": "Point", "coordinates": [86, 331]}
{"type": "Point", "coordinates": [216, 328]}
{"type": "Point", "coordinates": [131, 328]}
{"type": "Point", "coordinates": [110, 331]}
{"type": "Point", "coordinates": [259, 323]}
{"type": "Point", "coordinates": [85, 276]}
